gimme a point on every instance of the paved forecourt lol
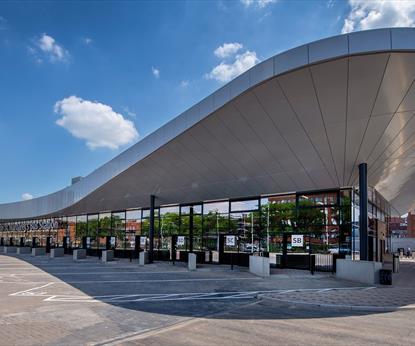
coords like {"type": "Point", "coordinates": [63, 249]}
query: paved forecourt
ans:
{"type": "Point", "coordinates": [59, 301]}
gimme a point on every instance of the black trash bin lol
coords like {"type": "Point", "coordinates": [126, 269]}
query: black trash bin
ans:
{"type": "Point", "coordinates": [385, 277]}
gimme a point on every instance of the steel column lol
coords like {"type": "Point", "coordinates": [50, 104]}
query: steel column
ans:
{"type": "Point", "coordinates": [363, 200]}
{"type": "Point", "coordinates": [151, 231]}
{"type": "Point", "coordinates": [191, 230]}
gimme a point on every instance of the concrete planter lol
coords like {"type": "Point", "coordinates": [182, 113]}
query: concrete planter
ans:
{"type": "Point", "coordinates": [79, 254]}
{"type": "Point", "coordinates": [366, 272]}
{"type": "Point", "coordinates": [10, 249]}
{"type": "Point", "coordinates": [57, 252]}
{"type": "Point", "coordinates": [107, 256]}
{"type": "Point", "coordinates": [259, 266]}
{"type": "Point", "coordinates": [143, 258]}
{"type": "Point", "coordinates": [191, 264]}
{"type": "Point", "coordinates": [24, 250]}
{"type": "Point", "coordinates": [39, 251]}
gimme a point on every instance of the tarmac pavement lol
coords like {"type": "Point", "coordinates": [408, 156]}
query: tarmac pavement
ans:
{"type": "Point", "coordinates": [61, 302]}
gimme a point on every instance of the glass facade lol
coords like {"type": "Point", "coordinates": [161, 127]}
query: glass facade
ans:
{"type": "Point", "coordinates": [328, 221]}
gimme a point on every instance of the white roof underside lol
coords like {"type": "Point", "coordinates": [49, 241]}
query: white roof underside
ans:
{"type": "Point", "coordinates": [301, 120]}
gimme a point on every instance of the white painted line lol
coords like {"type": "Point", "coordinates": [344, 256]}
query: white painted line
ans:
{"type": "Point", "coordinates": [30, 292]}
{"type": "Point", "coordinates": [146, 297]}
{"type": "Point", "coordinates": [157, 280]}
{"type": "Point", "coordinates": [87, 282]}
{"type": "Point", "coordinates": [287, 291]}
{"type": "Point", "coordinates": [93, 273]}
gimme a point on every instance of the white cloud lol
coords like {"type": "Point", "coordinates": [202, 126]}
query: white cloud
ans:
{"type": "Point", "coordinates": [26, 196]}
{"type": "Point", "coordinates": [227, 49]}
{"type": "Point", "coordinates": [130, 112]}
{"type": "Point", "coordinates": [156, 72]}
{"type": "Point", "coordinates": [373, 14]}
{"type": "Point", "coordinates": [86, 40]}
{"type": "Point", "coordinates": [95, 122]}
{"type": "Point", "coordinates": [3, 23]}
{"type": "Point", "coordinates": [259, 3]}
{"type": "Point", "coordinates": [48, 45]}
{"type": "Point", "coordinates": [224, 72]}
{"type": "Point", "coordinates": [184, 83]}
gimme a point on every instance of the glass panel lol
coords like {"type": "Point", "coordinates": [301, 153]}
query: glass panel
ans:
{"type": "Point", "coordinates": [247, 205]}
{"type": "Point", "coordinates": [73, 241]}
{"type": "Point", "coordinates": [104, 230]}
{"type": "Point", "coordinates": [133, 227]}
{"type": "Point", "coordinates": [81, 229]}
{"type": "Point", "coordinates": [185, 209]}
{"type": "Point", "coordinates": [214, 224]}
{"type": "Point", "coordinates": [278, 216]}
{"type": "Point", "coordinates": [169, 225]}
{"type": "Point", "coordinates": [216, 207]}
{"type": "Point", "coordinates": [246, 227]}
{"type": "Point", "coordinates": [93, 230]}
{"type": "Point", "coordinates": [326, 198]}
{"type": "Point", "coordinates": [118, 224]}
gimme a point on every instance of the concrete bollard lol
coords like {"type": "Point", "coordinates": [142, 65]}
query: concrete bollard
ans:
{"type": "Point", "coordinates": [10, 249]}
{"type": "Point", "coordinates": [57, 252]}
{"type": "Point", "coordinates": [79, 254]}
{"type": "Point", "coordinates": [107, 256]}
{"type": "Point", "coordinates": [215, 256]}
{"type": "Point", "coordinates": [143, 258]}
{"type": "Point", "coordinates": [38, 251]}
{"type": "Point", "coordinates": [259, 265]}
{"type": "Point", "coordinates": [191, 264]}
{"type": "Point", "coordinates": [24, 250]}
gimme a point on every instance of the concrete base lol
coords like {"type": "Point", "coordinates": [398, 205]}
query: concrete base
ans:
{"type": "Point", "coordinates": [24, 250]}
{"type": "Point", "coordinates": [79, 254]}
{"type": "Point", "coordinates": [10, 249]}
{"type": "Point", "coordinates": [191, 264]}
{"type": "Point", "coordinates": [259, 265]}
{"type": "Point", "coordinates": [39, 251]}
{"type": "Point", "coordinates": [107, 256]}
{"type": "Point", "coordinates": [143, 258]}
{"type": "Point", "coordinates": [366, 272]}
{"type": "Point", "coordinates": [57, 252]}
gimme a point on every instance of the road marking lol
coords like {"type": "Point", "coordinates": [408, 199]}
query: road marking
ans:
{"type": "Point", "coordinates": [89, 282]}
{"type": "Point", "coordinates": [324, 290]}
{"type": "Point", "coordinates": [160, 297]}
{"type": "Point", "coordinates": [30, 292]}
{"type": "Point", "coordinates": [86, 273]}
{"type": "Point", "coordinates": [94, 273]}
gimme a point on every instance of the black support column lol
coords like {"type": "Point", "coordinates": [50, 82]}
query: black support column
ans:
{"type": "Point", "coordinates": [363, 211]}
{"type": "Point", "coordinates": [191, 230]}
{"type": "Point", "coordinates": [151, 231]}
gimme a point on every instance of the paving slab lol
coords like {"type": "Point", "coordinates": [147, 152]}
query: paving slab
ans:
{"type": "Point", "coordinates": [59, 301]}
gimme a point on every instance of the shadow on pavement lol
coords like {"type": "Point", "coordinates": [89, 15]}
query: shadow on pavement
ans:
{"type": "Point", "coordinates": [162, 288]}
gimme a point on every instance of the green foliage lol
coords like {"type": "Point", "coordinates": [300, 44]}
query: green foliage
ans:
{"type": "Point", "coordinates": [281, 216]}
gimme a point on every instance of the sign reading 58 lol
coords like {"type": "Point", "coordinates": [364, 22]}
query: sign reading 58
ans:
{"type": "Point", "coordinates": [297, 240]}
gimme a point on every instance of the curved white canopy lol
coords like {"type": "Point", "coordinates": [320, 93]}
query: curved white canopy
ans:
{"type": "Point", "coordinates": [303, 119]}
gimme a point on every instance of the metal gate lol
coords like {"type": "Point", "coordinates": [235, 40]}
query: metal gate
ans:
{"type": "Point", "coordinates": [300, 252]}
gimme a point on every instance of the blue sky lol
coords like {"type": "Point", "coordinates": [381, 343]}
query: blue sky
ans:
{"type": "Point", "coordinates": [82, 81]}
